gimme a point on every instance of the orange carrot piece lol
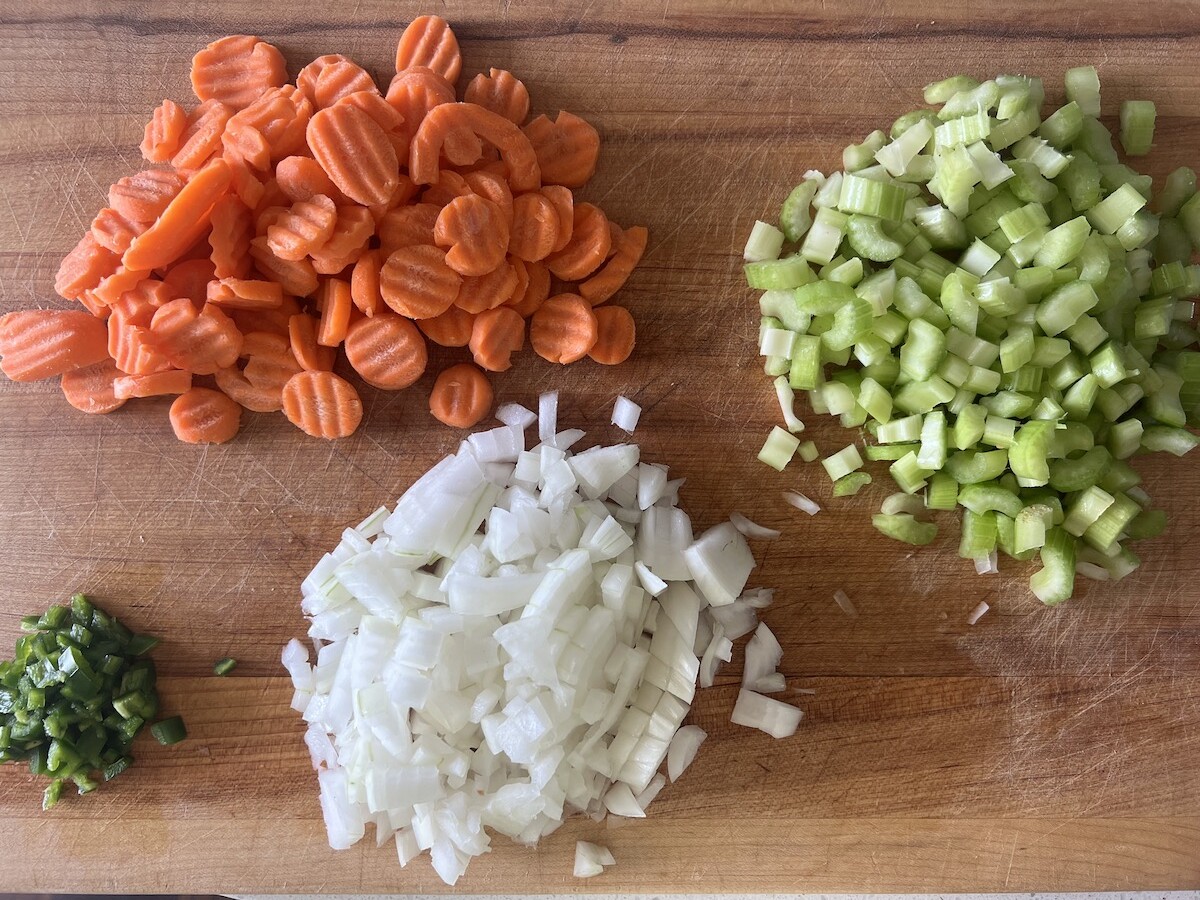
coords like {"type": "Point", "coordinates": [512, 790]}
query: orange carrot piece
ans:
{"type": "Point", "coordinates": [190, 279]}
{"type": "Point", "coordinates": [302, 330]}
{"type": "Point", "coordinates": [130, 343]}
{"type": "Point", "coordinates": [265, 343]}
{"type": "Point", "coordinates": [449, 186]}
{"type": "Point", "coordinates": [205, 416]}
{"type": "Point", "coordinates": [200, 342]}
{"type": "Point", "coordinates": [352, 229]}
{"type": "Point", "coordinates": [301, 178]}
{"type": "Point", "coordinates": [461, 396]}
{"type": "Point", "coordinates": [42, 343]}
{"type": "Point", "coordinates": [355, 153]}
{"type": "Point", "coordinates": [429, 41]}
{"type": "Point", "coordinates": [403, 195]}
{"type": "Point", "coordinates": [387, 351]}
{"type": "Point", "coordinates": [143, 197]}
{"type": "Point", "coordinates": [375, 106]}
{"type": "Point", "coordinates": [148, 294]}
{"type": "Point", "coordinates": [601, 286]}
{"type": "Point", "coordinates": [269, 129]}
{"type": "Point", "coordinates": [475, 233]}
{"type": "Point", "coordinates": [237, 69]}
{"type": "Point", "coordinates": [182, 222]}
{"type": "Point", "coordinates": [441, 121]}
{"type": "Point", "coordinates": [521, 283]}
{"type": "Point", "coordinates": [166, 126]}
{"type": "Point", "coordinates": [335, 312]}
{"type": "Point", "coordinates": [496, 335]}
{"type": "Point", "coordinates": [535, 227]}
{"type": "Point", "coordinates": [563, 329]}
{"type": "Point", "coordinates": [492, 186]}
{"type": "Point", "coordinates": [408, 226]}
{"type": "Point", "coordinates": [340, 79]}
{"type": "Point", "coordinates": [244, 184]}
{"type": "Point", "coordinates": [89, 301]}
{"type": "Point", "coordinates": [90, 389]}
{"type": "Point", "coordinates": [126, 387]}
{"type": "Point", "coordinates": [110, 290]}
{"type": "Point", "coordinates": [203, 136]}
{"type": "Point", "coordinates": [364, 283]}
{"type": "Point", "coordinates": [501, 92]}
{"type": "Point", "coordinates": [274, 321]}
{"type": "Point", "coordinates": [84, 268]}
{"type": "Point", "coordinates": [487, 291]}
{"type": "Point", "coordinates": [242, 293]}
{"type": "Point", "coordinates": [272, 368]}
{"type": "Point", "coordinates": [451, 329]}
{"type": "Point", "coordinates": [232, 229]}
{"type": "Point", "coordinates": [417, 283]}
{"type": "Point", "coordinates": [567, 149]}
{"type": "Point", "coordinates": [413, 93]}
{"type": "Point", "coordinates": [303, 228]}
{"type": "Point", "coordinates": [564, 205]}
{"type": "Point", "coordinates": [113, 231]}
{"type": "Point", "coordinates": [322, 405]}
{"type": "Point", "coordinates": [615, 335]}
{"type": "Point", "coordinates": [234, 384]}
{"type": "Point", "coordinates": [297, 278]}
{"type": "Point", "coordinates": [588, 247]}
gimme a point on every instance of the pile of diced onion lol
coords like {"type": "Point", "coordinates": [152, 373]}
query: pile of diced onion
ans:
{"type": "Point", "coordinates": [522, 637]}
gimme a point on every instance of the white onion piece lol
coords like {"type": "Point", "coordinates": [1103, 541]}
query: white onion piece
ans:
{"type": "Point", "coordinates": [684, 747]}
{"type": "Point", "coordinates": [590, 859]}
{"type": "Point", "coordinates": [977, 613]}
{"type": "Point", "coordinates": [652, 481]}
{"type": "Point", "coordinates": [547, 417]}
{"type": "Point", "coordinates": [620, 802]}
{"type": "Point", "coordinates": [801, 502]}
{"type": "Point", "coordinates": [515, 415]}
{"type": "Point", "coordinates": [753, 530]}
{"type": "Point", "coordinates": [1092, 571]}
{"type": "Point", "coordinates": [772, 683]}
{"type": "Point", "coordinates": [720, 562]}
{"type": "Point", "coordinates": [756, 711]}
{"type": "Point", "coordinates": [987, 565]}
{"type": "Point", "coordinates": [843, 601]}
{"type": "Point", "coordinates": [763, 654]}
{"type": "Point", "coordinates": [626, 414]}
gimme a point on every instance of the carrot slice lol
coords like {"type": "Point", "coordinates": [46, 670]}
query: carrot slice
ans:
{"type": "Point", "coordinates": [563, 329]}
{"type": "Point", "coordinates": [273, 321]}
{"type": "Point", "coordinates": [297, 278]}
{"type": "Point", "coordinates": [149, 293]}
{"type": "Point", "coordinates": [302, 330]}
{"type": "Point", "coordinates": [41, 343]}
{"type": "Point", "coordinates": [143, 197]}
{"type": "Point", "coordinates": [242, 293]}
{"type": "Point", "coordinates": [492, 186]}
{"type": "Point", "coordinates": [113, 231]}
{"type": "Point", "coordinates": [364, 283]}
{"type": "Point", "coordinates": [417, 283]}
{"type": "Point", "coordinates": [161, 139]}
{"type": "Point", "coordinates": [335, 312]}
{"type": "Point", "coordinates": [451, 329]}
{"type": "Point", "coordinates": [413, 93]}
{"type": "Point", "coordinates": [564, 205]}
{"type": "Point", "coordinates": [487, 291]}
{"type": "Point", "coordinates": [182, 222]}
{"type": "Point", "coordinates": [84, 268]}
{"type": "Point", "coordinates": [355, 153]}
{"type": "Point", "coordinates": [205, 416]}
{"type": "Point", "coordinates": [322, 405]}
{"type": "Point", "coordinates": [408, 226]}
{"type": "Point", "coordinates": [266, 343]}
{"type": "Point", "coordinates": [375, 106]}
{"type": "Point", "coordinates": [403, 195]}
{"type": "Point", "coordinates": [90, 389]}
{"type": "Point", "coordinates": [93, 305]}
{"type": "Point", "coordinates": [461, 396]}
{"type": "Point", "coordinates": [535, 227]}
{"type": "Point", "coordinates": [190, 279]}
{"type": "Point", "coordinates": [271, 368]}
{"type": "Point", "coordinates": [203, 136]}
{"type": "Point", "coordinates": [110, 290]}
{"type": "Point", "coordinates": [501, 92]}
{"type": "Point", "coordinates": [476, 233]}
{"type": "Point", "coordinates": [130, 343]}
{"type": "Point", "coordinates": [387, 351]}
{"type": "Point", "coordinates": [338, 79]}
{"type": "Point", "coordinates": [269, 129]}
{"type": "Point", "coordinates": [615, 335]}
{"type": "Point", "coordinates": [495, 336]}
{"type": "Point", "coordinates": [521, 283]}
{"type": "Point", "coordinates": [441, 121]}
{"type": "Point", "coordinates": [200, 342]}
{"type": "Point", "coordinates": [301, 178]}
{"type": "Point", "coordinates": [601, 286]}
{"type": "Point", "coordinates": [245, 184]}
{"type": "Point", "coordinates": [588, 247]}
{"type": "Point", "coordinates": [237, 69]}
{"type": "Point", "coordinates": [429, 41]}
{"type": "Point", "coordinates": [567, 149]}
{"type": "Point", "coordinates": [352, 229]}
{"type": "Point", "coordinates": [305, 227]}
{"type": "Point", "coordinates": [234, 384]}
{"type": "Point", "coordinates": [232, 229]}
{"type": "Point", "coordinates": [449, 186]}
{"type": "Point", "coordinates": [157, 384]}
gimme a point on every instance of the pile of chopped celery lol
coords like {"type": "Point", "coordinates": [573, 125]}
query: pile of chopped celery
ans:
{"type": "Point", "coordinates": [990, 296]}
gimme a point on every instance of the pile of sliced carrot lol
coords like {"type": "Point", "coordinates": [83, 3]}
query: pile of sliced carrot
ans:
{"type": "Point", "coordinates": [289, 220]}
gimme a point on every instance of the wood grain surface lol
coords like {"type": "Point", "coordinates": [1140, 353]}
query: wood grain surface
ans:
{"type": "Point", "coordinates": [1040, 749]}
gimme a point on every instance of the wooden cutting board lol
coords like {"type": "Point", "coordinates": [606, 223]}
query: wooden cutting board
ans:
{"type": "Point", "coordinates": [1040, 749]}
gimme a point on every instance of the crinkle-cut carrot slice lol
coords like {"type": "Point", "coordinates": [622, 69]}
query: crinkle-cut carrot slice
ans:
{"type": "Point", "coordinates": [364, 283]}
{"type": "Point", "coordinates": [298, 277]}
{"type": "Point", "coordinates": [449, 186]}
{"type": "Point", "coordinates": [243, 293]}
{"type": "Point", "coordinates": [157, 384]}
{"type": "Point", "coordinates": [462, 148]}
{"type": "Point", "coordinates": [237, 69]}
{"type": "Point", "coordinates": [339, 79]}
{"type": "Point", "coordinates": [567, 149]}
{"type": "Point", "coordinates": [205, 416]}
{"type": "Point", "coordinates": [355, 153]}
{"type": "Point", "coordinates": [42, 343]}
{"type": "Point", "coordinates": [143, 197]}
{"type": "Point", "coordinates": [496, 335]}
{"type": "Point", "coordinates": [487, 291]}
{"type": "Point", "coordinates": [272, 196]}
{"type": "Point", "coordinates": [615, 335]}
{"type": "Point", "coordinates": [113, 231]}
{"type": "Point", "coordinates": [265, 343]}
{"type": "Point", "coordinates": [416, 282]}
{"type": "Point", "coordinates": [514, 146]}
{"type": "Point", "coordinates": [408, 226]}
{"type": "Point", "coordinates": [335, 305]}
{"type": "Point", "coordinates": [387, 351]}
{"type": "Point", "coordinates": [110, 290]}
{"type": "Point", "coordinates": [489, 163]}
{"type": "Point", "coordinates": [600, 287]}
{"type": "Point", "coordinates": [269, 129]}
{"type": "Point", "coordinates": [404, 194]}
{"type": "Point", "coordinates": [414, 92]}
{"type": "Point", "coordinates": [93, 305]}
{"type": "Point", "coordinates": [130, 343]}
{"type": "Point", "coordinates": [190, 279]}
{"type": "Point", "coordinates": [352, 229]}
{"type": "Point", "coordinates": [90, 389]}
{"type": "Point", "coordinates": [274, 321]}
{"type": "Point", "coordinates": [234, 384]}
{"type": "Point", "coordinates": [451, 329]}
{"type": "Point", "coordinates": [202, 138]}
{"type": "Point", "coordinates": [232, 229]}
{"type": "Point", "coordinates": [534, 229]}
{"type": "Point", "coordinates": [461, 396]}
{"type": "Point", "coordinates": [183, 221]}
{"type": "Point", "coordinates": [563, 329]}
{"type": "Point", "coordinates": [475, 234]}
{"type": "Point", "coordinates": [385, 116]}
{"type": "Point", "coordinates": [302, 178]}
{"type": "Point", "coordinates": [304, 228]}
{"type": "Point", "coordinates": [322, 405]}
{"type": "Point", "coordinates": [149, 293]}
{"type": "Point", "coordinates": [302, 331]}
{"type": "Point", "coordinates": [272, 368]}
{"type": "Point", "coordinates": [244, 184]}
{"type": "Point", "coordinates": [501, 92]}
{"type": "Point", "coordinates": [588, 247]}
{"type": "Point", "coordinates": [85, 267]}
{"type": "Point", "coordinates": [492, 187]}
{"type": "Point", "coordinates": [200, 342]}
{"type": "Point", "coordinates": [429, 41]}
{"type": "Point", "coordinates": [521, 282]}
{"type": "Point", "coordinates": [564, 205]}
{"type": "Point", "coordinates": [161, 139]}
{"type": "Point", "coordinates": [264, 220]}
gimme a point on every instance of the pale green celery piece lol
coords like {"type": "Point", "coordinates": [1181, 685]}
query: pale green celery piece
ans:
{"type": "Point", "coordinates": [778, 274]}
{"type": "Point", "coordinates": [982, 381]}
{"type": "Point", "coordinates": [824, 236]}
{"type": "Point", "coordinates": [940, 91]}
{"type": "Point", "coordinates": [868, 239]}
{"type": "Point", "coordinates": [1137, 126]}
{"type": "Point", "coordinates": [1139, 230]}
{"type": "Point", "coordinates": [1083, 89]}
{"type": "Point", "coordinates": [849, 485]}
{"type": "Point", "coordinates": [923, 350]}
{"type": "Point", "coordinates": [979, 258]}
{"type": "Point", "coordinates": [1153, 318]}
{"type": "Point", "coordinates": [1009, 404]}
{"type": "Point", "coordinates": [1104, 533]}
{"type": "Point", "coordinates": [979, 535]}
{"type": "Point", "coordinates": [843, 462]}
{"type": "Point", "coordinates": [1016, 349]}
{"type": "Point", "coordinates": [1028, 458]}
{"type": "Point", "coordinates": [776, 365]}
{"type": "Point", "coordinates": [943, 229]}
{"type": "Point", "coordinates": [1050, 162]}
{"type": "Point", "coordinates": [889, 452]}
{"type": "Point", "coordinates": [954, 370]}
{"type": "Point", "coordinates": [908, 474]}
{"type": "Point", "coordinates": [965, 102]}
{"type": "Point", "coordinates": [1115, 401]}
{"type": "Point", "coordinates": [932, 455]}
{"type": "Point", "coordinates": [1081, 397]}
{"type": "Point", "coordinates": [904, 528]}
{"type": "Point", "coordinates": [779, 448]}
{"type": "Point", "coordinates": [942, 492]}
{"type": "Point", "coordinates": [923, 396]}
{"type": "Point", "coordinates": [1094, 260]}
{"type": "Point", "coordinates": [1063, 243]}
{"type": "Point", "coordinates": [805, 372]}
{"type": "Point", "coordinates": [986, 218]}
{"type": "Point", "coordinates": [1179, 187]}
{"type": "Point", "coordinates": [795, 216]}
{"type": "Point", "coordinates": [1165, 404]}
{"type": "Point", "coordinates": [808, 451]}
{"type": "Point", "coordinates": [872, 350]}
{"type": "Point", "coordinates": [1028, 184]}
{"type": "Point", "coordinates": [972, 467]}
{"type": "Point", "coordinates": [859, 156]}
{"type": "Point", "coordinates": [909, 119]}
{"type": "Point", "coordinates": [1125, 438]}
{"type": "Point", "coordinates": [1170, 279]}
{"type": "Point", "coordinates": [1080, 182]}
{"type": "Point", "coordinates": [1164, 438]}
{"type": "Point", "coordinates": [1022, 124]}
{"type": "Point", "coordinates": [875, 400]}
{"type": "Point", "coordinates": [1086, 508]}
{"type": "Point", "coordinates": [1113, 211]}
{"type": "Point", "coordinates": [1023, 221]}
{"type": "Point", "coordinates": [890, 327]}
{"type": "Point", "coordinates": [897, 157]}
{"type": "Point", "coordinates": [764, 243]}
{"type": "Point", "coordinates": [1114, 175]}
{"type": "Point", "coordinates": [829, 192]}
{"type": "Point", "coordinates": [1087, 334]}
{"type": "Point", "coordinates": [1056, 581]}
{"type": "Point", "coordinates": [837, 397]}
{"type": "Point", "coordinates": [849, 272]}
{"type": "Point", "coordinates": [1108, 365]}
{"type": "Point", "coordinates": [1062, 309]}
{"type": "Point", "coordinates": [959, 303]}
{"type": "Point", "coordinates": [969, 426]}
{"type": "Point", "coordinates": [1048, 352]}
{"type": "Point", "coordinates": [975, 350]}
{"type": "Point", "coordinates": [1063, 125]}
{"type": "Point", "coordinates": [999, 431]}
{"type": "Point", "coordinates": [851, 322]}
{"type": "Point", "coordinates": [989, 497]}
{"type": "Point", "coordinates": [1030, 528]}
{"type": "Point", "coordinates": [1000, 297]}
{"type": "Point", "coordinates": [884, 200]}
{"type": "Point", "coordinates": [1023, 251]}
